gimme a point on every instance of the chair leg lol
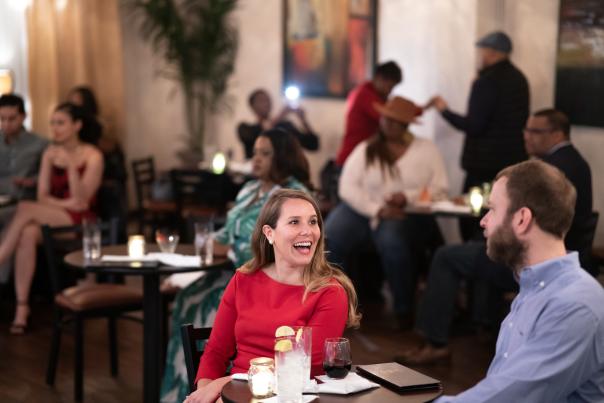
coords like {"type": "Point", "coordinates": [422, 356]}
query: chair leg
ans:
{"type": "Point", "coordinates": [79, 360]}
{"type": "Point", "coordinates": [55, 345]}
{"type": "Point", "coordinates": [114, 364]}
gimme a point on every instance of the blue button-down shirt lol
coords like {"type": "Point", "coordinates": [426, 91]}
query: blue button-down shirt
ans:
{"type": "Point", "coordinates": [551, 345]}
{"type": "Point", "coordinates": [20, 158]}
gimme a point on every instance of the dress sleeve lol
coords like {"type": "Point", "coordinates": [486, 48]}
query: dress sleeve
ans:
{"type": "Point", "coordinates": [328, 320]}
{"type": "Point", "coordinates": [351, 184]}
{"type": "Point", "coordinates": [221, 345]}
{"type": "Point", "coordinates": [550, 366]}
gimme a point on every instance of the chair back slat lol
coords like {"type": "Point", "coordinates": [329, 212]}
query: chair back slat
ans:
{"type": "Point", "coordinates": [144, 175]}
{"type": "Point", "coordinates": [193, 350]}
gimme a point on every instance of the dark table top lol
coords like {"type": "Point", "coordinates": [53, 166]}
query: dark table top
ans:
{"type": "Point", "coordinates": [239, 392]}
{"type": "Point", "coordinates": [76, 260]}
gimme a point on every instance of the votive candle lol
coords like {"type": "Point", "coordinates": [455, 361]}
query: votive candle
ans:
{"type": "Point", "coordinates": [136, 246]}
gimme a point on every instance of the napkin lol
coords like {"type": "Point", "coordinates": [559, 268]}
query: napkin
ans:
{"type": "Point", "coordinates": [448, 206]}
{"type": "Point", "coordinates": [124, 258]}
{"type": "Point", "coordinates": [175, 259]}
{"type": "Point", "coordinates": [351, 384]}
{"type": "Point", "coordinates": [182, 280]}
{"type": "Point", "coordinates": [170, 259]}
{"type": "Point", "coordinates": [274, 399]}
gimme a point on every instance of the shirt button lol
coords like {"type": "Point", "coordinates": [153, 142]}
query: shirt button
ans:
{"type": "Point", "coordinates": [511, 324]}
{"type": "Point", "coordinates": [505, 355]}
{"type": "Point", "coordinates": [542, 284]}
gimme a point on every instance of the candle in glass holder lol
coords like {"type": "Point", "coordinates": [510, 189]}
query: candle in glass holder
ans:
{"type": "Point", "coordinates": [476, 199]}
{"type": "Point", "coordinates": [136, 246]}
{"type": "Point", "coordinates": [261, 377]}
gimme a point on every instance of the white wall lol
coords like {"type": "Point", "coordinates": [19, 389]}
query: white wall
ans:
{"type": "Point", "coordinates": [430, 65]}
{"type": "Point", "coordinates": [534, 28]}
{"type": "Point", "coordinates": [13, 44]}
{"type": "Point", "coordinates": [432, 40]}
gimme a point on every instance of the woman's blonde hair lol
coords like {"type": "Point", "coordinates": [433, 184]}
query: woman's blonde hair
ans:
{"type": "Point", "coordinates": [319, 272]}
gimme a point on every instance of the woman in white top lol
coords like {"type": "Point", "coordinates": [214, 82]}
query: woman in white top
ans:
{"type": "Point", "coordinates": [379, 179]}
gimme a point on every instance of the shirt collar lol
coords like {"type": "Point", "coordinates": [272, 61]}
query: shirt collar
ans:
{"type": "Point", "coordinates": [557, 147]}
{"type": "Point", "coordinates": [541, 274]}
{"type": "Point", "coordinates": [16, 139]}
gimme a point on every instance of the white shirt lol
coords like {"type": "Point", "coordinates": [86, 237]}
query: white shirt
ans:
{"type": "Point", "coordinates": [365, 188]}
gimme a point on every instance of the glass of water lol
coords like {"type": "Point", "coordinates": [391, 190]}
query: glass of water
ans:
{"type": "Point", "coordinates": [167, 240]}
{"type": "Point", "coordinates": [290, 367]}
{"type": "Point", "coordinates": [91, 240]}
{"type": "Point", "coordinates": [204, 243]}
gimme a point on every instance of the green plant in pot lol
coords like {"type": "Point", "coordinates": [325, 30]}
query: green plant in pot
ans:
{"type": "Point", "coordinates": [199, 43]}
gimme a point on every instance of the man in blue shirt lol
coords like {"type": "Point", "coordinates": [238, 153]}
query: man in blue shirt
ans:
{"type": "Point", "coordinates": [551, 345]}
{"type": "Point", "coordinates": [20, 153]}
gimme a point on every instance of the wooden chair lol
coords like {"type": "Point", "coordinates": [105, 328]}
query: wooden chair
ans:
{"type": "Point", "coordinates": [191, 340]}
{"type": "Point", "coordinates": [200, 194]}
{"type": "Point", "coordinates": [150, 212]}
{"type": "Point", "coordinates": [76, 303]}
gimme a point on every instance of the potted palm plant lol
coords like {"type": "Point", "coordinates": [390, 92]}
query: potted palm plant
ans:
{"type": "Point", "coordinates": [199, 43]}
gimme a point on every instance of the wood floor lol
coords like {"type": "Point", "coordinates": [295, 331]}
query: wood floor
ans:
{"type": "Point", "coordinates": [23, 359]}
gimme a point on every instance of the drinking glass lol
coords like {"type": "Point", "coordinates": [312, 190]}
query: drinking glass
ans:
{"type": "Point", "coordinates": [303, 340]}
{"type": "Point", "coordinates": [336, 357]}
{"type": "Point", "coordinates": [167, 240]}
{"type": "Point", "coordinates": [290, 370]}
{"type": "Point", "coordinates": [204, 244]}
{"type": "Point", "coordinates": [91, 240]}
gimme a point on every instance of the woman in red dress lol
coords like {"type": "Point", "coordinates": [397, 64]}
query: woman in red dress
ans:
{"type": "Point", "coordinates": [70, 174]}
{"type": "Point", "coordinates": [287, 282]}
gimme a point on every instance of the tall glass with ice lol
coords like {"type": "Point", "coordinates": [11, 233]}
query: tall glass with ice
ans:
{"type": "Point", "coordinates": [292, 361]}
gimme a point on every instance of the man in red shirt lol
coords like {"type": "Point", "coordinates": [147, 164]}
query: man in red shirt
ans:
{"type": "Point", "coordinates": [362, 119]}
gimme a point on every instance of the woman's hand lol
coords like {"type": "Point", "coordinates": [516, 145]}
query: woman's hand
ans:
{"type": "Point", "coordinates": [208, 392]}
{"type": "Point", "coordinates": [390, 212]}
{"type": "Point", "coordinates": [60, 158]}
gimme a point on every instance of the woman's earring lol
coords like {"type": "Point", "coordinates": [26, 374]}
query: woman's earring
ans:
{"type": "Point", "coordinates": [270, 241]}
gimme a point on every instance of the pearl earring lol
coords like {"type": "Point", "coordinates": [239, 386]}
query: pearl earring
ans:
{"type": "Point", "coordinates": [270, 241]}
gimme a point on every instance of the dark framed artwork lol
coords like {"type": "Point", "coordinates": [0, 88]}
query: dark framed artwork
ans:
{"type": "Point", "coordinates": [580, 64]}
{"type": "Point", "coordinates": [329, 46]}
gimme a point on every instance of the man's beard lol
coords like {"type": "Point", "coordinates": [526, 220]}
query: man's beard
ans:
{"type": "Point", "coordinates": [505, 248]}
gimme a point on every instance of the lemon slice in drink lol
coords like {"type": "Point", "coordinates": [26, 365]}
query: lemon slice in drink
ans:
{"type": "Point", "coordinates": [283, 346]}
{"type": "Point", "coordinates": [298, 335]}
{"type": "Point", "coordinates": [283, 331]}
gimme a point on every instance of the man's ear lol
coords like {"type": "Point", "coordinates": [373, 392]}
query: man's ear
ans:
{"type": "Point", "coordinates": [522, 220]}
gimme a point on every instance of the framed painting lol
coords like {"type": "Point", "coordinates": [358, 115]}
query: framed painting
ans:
{"type": "Point", "coordinates": [329, 47]}
{"type": "Point", "coordinates": [580, 63]}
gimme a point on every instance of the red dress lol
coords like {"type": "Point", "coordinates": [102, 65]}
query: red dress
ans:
{"type": "Point", "coordinates": [254, 306]}
{"type": "Point", "coordinates": [59, 188]}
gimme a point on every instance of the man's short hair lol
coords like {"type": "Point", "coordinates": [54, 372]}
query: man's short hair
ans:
{"type": "Point", "coordinates": [13, 100]}
{"type": "Point", "coordinates": [389, 71]}
{"type": "Point", "coordinates": [556, 119]}
{"type": "Point", "coordinates": [254, 94]}
{"type": "Point", "coordinates": [544, 190]}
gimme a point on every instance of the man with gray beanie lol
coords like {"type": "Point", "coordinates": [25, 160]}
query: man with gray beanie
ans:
{"type": "Point", "coordinates": [497, 111]}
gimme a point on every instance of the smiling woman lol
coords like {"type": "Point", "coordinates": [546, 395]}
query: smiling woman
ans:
{"type": "Point", "coordinates": [288, 282]}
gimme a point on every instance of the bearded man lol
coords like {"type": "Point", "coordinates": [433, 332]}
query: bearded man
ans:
{"type": "Point", "coordinates": [551, 345]}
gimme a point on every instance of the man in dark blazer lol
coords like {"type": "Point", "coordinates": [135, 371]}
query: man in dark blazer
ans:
{"type": "Point", "coordinates": [546, 136]}
{"type": "Point", "coordinates": [497, 111]}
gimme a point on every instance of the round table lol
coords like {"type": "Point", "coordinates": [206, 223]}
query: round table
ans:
{"type": "Point", "coordinates": [239, 392]}
{"type": "Point", "coordinates": [151, 272]}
